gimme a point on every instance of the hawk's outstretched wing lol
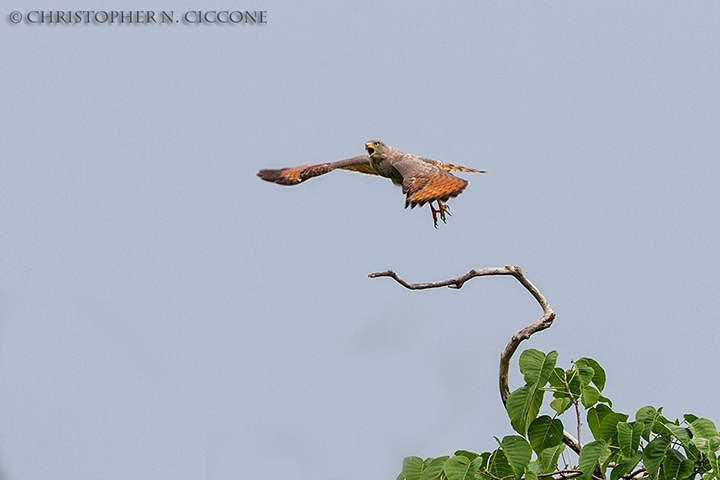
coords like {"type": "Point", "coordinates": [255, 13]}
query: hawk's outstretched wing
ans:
{"type": "Point", "coordinates": [295, 175]}
{"type": "Point", "coordinates": [425, 181]}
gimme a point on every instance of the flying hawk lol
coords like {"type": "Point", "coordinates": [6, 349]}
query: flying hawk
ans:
{"type": "Point", "coordinates": [423, 180]}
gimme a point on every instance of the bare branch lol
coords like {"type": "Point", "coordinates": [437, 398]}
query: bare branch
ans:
{"type": "Point", "coordinates": [545, 321]}
{"type": "Point", "coordinates": [579, 421]}
{"type": "Point", "coordinates": [567, 473]}
{"type": "Point", "coordinates": [452, 283]}
{"type": "Point", "coordinates": [639, 473]}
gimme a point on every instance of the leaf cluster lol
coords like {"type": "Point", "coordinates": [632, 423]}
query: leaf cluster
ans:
{"type": "Point", "coordinates": [648, 447]}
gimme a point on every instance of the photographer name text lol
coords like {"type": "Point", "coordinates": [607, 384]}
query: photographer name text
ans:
{"type": "Point", "coordinates": [140, 17]}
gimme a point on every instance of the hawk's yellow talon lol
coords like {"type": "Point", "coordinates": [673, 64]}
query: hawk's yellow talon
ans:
{"type": "Point", "coordinates": [442, 210]}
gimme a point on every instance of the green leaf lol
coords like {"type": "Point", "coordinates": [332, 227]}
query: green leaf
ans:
{"type": "Point", "coordinates": [675, 466]}
{"type": "Point", "coordinates": [638, 428]}
{"type": "Point", "coordinates": [565, 382]}
{"type": "Point", "coordinates": [693, 453]}
{"type": "Point", "coordinates": [574, 384]}
{"type": "Point", "coordinates": [518, 452]}
{"type": "Point", "coordinates": [465, 453]}
{"type": "Point", "coordinates": [629, 437]}
{"type": "Point", "coordinates": [681, 433]}
{"type": "Point", "coordinates": [687, 470]}
{"type": "Point", "coordinates": [626, 465]}
{"type": "Point", "coordinates": [535, 467]}
{"type": "Point", "coordinates": [478, 466]}
{"type": "Point", "coordinates": [548, 458]}
{"type": "Point", "coordinates": [703, 428]}
{"type": "Point", "coordinates": [625, 439]}
{"type": "Point", "coordinates": [708, 446]}
{"type": "Point", "coordinates": [610, 455]}
{"type": "Point", "coordinates": [715, 464]}
{"type": "Point", "coordinates": [498, 465]}
{"type": "Point", "coordinates": [412, 468]}
{"type": "Point", "coordinates": [523, 406]}
{"type": "Point", "coordinates": [545, 432]}
{"type": "Point", "coordinates": [659, 427]}
{"type": "Point", "coordinates": [589, 456]}
{"type": "Point", "coordinates": [461, 467]}
{"type": "Point", "coordinates": [689, 417]}
{"type": "Point", "coordinates": [654, 453]}
{"type": "Point", "coordinates": [561, 405]}
{"type": "Point", "coordinates": [433, 468]}
{"type": "Point", "coordinates": [557, 379]}
{"type": "Point", "coordinates": [599, 373]}
{"type": "Point", "coordinates": [595, 415]}
{"type": "Point", "coordinates": [585, 371]}
{"type": "Point", "coordinates": [608, 425]}
{"type": "Point", "coordinates": [589, 396]}
{"type": "Point", "coordinates": [604, 399]}
{"type": "Point", "coordinates": [646, 416]}
{"type": "Point", "coordinates": [485, 463]}
{"type": "Point", "coordinates": [530, 475]}
{"type": "Point", "coordinates": [458, 468]}
{"type": "Point", "coordinates": [536, 367]}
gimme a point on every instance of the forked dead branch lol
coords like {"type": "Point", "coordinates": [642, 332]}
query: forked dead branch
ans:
{"type": "Point", "coordinates": [543, 323]}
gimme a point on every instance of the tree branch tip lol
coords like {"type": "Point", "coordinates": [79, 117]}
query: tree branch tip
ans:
{"type": "Point", "coordinates": [386, 273]}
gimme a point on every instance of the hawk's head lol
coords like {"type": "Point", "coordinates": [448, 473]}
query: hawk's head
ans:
{"type": "Point", "coordinates": [376, 148]}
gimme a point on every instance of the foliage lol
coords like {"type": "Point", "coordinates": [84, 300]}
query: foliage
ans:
{"type": "Point", "coordinates": [648, 447]}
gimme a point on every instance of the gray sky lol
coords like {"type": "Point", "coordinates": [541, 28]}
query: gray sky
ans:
{"type": "Point", "coordinates": [166, 314]}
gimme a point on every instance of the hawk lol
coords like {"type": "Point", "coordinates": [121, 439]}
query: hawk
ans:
{"type": "Point", "coordinates": [423, 180]}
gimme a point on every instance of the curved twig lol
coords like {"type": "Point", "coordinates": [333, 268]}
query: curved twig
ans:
{"type": "Point", "coordinates": [545, 321]}
{"type": "Point", "coordinates": [567, 473]}
{"type": "Point", "coordinates": [639, 473]}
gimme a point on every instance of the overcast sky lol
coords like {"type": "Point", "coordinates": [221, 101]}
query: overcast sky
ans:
{"type": "Point", "coordinates": [164, 313]}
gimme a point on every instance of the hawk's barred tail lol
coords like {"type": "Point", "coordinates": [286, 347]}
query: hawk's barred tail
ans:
{"type": "Point", "coordinates": [457, 168]}
{"type": "Point", "coordinates": [294, 175]}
